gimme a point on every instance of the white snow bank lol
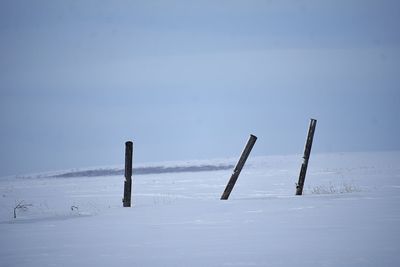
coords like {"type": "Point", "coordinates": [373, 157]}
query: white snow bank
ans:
{"type": "Point", "coordinates": [177, 219]}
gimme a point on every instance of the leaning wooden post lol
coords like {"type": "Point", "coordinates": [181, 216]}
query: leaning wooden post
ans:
{"type": "Point", "coordinates": [239, 166]}
{"type": "Point", "coordinates": [306, 157]}
{"type": "Point", "coordinates": [128, 174]}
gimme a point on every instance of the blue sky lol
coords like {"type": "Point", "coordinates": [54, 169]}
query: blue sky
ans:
{"type": "Point", "coordinates": [192, 79]}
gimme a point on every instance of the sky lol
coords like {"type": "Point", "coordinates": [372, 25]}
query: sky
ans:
{"type": "Point", "coordinates": [192, 79]}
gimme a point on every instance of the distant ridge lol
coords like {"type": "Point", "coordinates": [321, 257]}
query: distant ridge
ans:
{"type": "Point", "coordinates": [142, 170]}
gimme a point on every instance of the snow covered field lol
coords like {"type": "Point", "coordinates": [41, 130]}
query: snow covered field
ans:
{"type": "Point", "coordinates": [348, 216]}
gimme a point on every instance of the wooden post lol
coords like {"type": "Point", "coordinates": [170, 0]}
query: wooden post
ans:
{"type": "Point", "coordinates": [239, 166]}
{"type": "Point", "coordinates": [306, 157]}
{"type": "Point", "coordinates": [128, 174]}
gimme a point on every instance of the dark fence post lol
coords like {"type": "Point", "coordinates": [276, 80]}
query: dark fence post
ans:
{"type": "Point", "coordinates": [306, 157]}
{"type": "Point", "coordinates": [128, 174]}
{"type": "Point", "coordinates": [239, 166]}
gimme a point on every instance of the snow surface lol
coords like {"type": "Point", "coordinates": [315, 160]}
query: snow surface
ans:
{"type": "Point", "coordinates": [348, 216]}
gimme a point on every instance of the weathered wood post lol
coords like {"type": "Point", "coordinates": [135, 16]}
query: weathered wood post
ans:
{"type": "Point", "coordinates": [128, 174]}
{"type": "Point", "coordinates": [306, 157]}
{"type": "Point", "coordinates": [239, 166]}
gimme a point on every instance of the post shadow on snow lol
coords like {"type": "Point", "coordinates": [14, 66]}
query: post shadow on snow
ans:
{"type": "Point", "coordinates": [236, 172]}
{"type": "Point", "coordinates": [55, 217]}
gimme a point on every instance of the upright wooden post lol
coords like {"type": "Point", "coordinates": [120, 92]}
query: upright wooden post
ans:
{"type": "Point", "coordinates": [239, 166]}
{"type": "Point", "coordinates": [306, 157]}
{"type": "Point", "coordinates": [128, 174]}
